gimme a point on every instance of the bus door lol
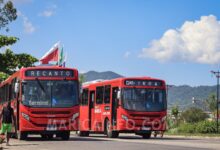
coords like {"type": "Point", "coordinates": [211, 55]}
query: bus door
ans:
{"type": "Point", "coordinates": [98, 109]}
{"type": "Point", "coordinates": [91, 107]}
{"type": "Point", "coordinates": [84, 110]}
{"type": "Point", "coordinates": [114, 106]}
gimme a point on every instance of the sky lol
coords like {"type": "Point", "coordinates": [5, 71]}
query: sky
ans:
{"type": "Point", "coordinates": [174, 40]}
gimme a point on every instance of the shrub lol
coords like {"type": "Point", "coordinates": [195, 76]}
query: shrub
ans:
{"type": "Point", "coordinates": [206, 127]}
{"type": "Point", "coordinates": [193, 115]}
{"type": "Point", "coordinates": [187, 128]}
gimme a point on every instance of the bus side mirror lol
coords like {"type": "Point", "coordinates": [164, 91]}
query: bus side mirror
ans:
{"type": "Point", "coordinates": [119, 95]}
{"type": "Point", "coordinates": [16, 87]}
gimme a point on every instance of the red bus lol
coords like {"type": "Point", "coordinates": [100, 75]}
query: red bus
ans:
{"type": "Point", "coordinates": [124, 105]}
{"type": "Point", "coordinates": [45, 100]}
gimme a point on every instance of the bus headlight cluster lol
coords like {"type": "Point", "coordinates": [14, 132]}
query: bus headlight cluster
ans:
{"type": "Point", "coordinates": [25, 116]}
{"type": "Point", "coordinates": [75, 116]}
{"type": "Point", "coordinates": [124, 117]}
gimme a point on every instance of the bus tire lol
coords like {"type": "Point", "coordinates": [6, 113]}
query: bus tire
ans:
{"type": "Point", "coordinates": [65, 135]}
{"type": "Point", "coordinates": [21, 135]}
{"type": "Point", "coordinates": [146, 135]}
{"type": "Point", "coordinates": [109, 132]}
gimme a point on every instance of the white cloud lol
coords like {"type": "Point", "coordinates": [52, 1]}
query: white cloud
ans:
{"type": "Point", "coordinates": [196, 41]}
{"type": "Point", "coordinates": [50, 11]}
{"type": "Point", "coordinates": [47, 13]}
{"type": "Point", "coordinates": [127, 54]}
{"type": "Point", "coordinates": [28, 26]}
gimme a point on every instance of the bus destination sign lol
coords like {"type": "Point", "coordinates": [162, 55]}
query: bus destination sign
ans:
{"type": "Point", "coordinates": [49, 73]}
{"type": "Point", "coordinates": [143, 83]}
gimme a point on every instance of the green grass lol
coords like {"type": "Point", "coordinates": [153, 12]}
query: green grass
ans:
{"type": "Point", "coordinates": [192, 134]}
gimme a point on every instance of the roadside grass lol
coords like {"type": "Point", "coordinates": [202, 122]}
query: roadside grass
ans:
{"type": "Point", "coordinates": [192, 134]}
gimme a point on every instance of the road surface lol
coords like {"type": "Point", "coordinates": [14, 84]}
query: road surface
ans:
{"type": "Point", "coordinates": [124, 142]}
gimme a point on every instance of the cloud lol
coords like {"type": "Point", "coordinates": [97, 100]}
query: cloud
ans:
{"type": "Point", "coordinates": [50, 11]}
{"type": "Point", "coordinates": [127, 54]}
{"type": "Point", "coordinates": [196, 41]}
{"type": "Point", "coordinates": [47, 13]}
{"type": "Point", "coordinates": [28, 26]}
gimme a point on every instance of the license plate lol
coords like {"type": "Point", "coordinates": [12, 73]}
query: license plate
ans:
{"type": "Point", "coordinates": [146, 128]}
{"type": "Point", "coordinates": [51, 128]}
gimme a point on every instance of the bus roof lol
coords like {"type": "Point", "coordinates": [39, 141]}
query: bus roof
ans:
{"type": "Point", "coordinates": [118, 80]}
{"type": "Point", "coordinates": [23, 69]}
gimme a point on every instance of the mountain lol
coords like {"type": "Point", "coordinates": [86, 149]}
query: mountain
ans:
{"type": "Point", "coordinates": [183, 95]}
{"type": "Point", "coordinates": [177, 95]}
{"type": "Point", "coordinates": [93, 75]}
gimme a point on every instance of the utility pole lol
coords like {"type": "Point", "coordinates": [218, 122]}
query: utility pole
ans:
{"type": "Point", "coordinates": [217, 75]}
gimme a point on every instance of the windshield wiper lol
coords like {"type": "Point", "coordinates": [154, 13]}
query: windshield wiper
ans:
{"type": "Point", "coordinates": [41, 86]}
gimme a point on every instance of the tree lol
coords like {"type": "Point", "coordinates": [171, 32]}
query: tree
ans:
{"type": "Point", "coordinates": [3, 76]}
{"type": "Point", "coordinates": [81, 78]}
{"type": "Point", "coordinates": [10, 62]}
{"type": "Point", "coordinates": [6, 41]}
{"type": "Point", "coordinates": [25, 60]}
{"type": "Point", "coordinates": [211, 102]}
{"type": "Point", "coordinates": [175, 113]}
{"type": "Point", "coordinates": [7, 14]}
{"type": "Point", "coordinates": [193, 115]}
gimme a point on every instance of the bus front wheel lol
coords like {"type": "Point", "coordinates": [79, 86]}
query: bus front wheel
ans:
{"type": "Point", "coordinates": [146, 135]}
{"type": "Point", "coordinates": [65, 135]}
{"type": "Point", "coordinates": [109, 132]}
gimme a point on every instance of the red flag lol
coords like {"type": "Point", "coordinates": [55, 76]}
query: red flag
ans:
{"type": "Point", "coordinates": [51, 55]}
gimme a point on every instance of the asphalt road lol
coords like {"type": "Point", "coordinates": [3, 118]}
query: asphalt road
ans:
{"type": "Point", "coordinates": [124, 142]}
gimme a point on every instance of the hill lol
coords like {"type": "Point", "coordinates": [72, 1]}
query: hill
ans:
{"type": "Point", "coordinates": [182, 95]}
{"type": "Point", "coordinates": [93, 75]}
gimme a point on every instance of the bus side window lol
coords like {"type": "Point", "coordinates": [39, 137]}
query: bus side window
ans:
{"type": "Point", "coordinates": [107, 94]}
{"type": "Point", "coordinates": [13, 88]}
{"type": "Point", "coordinates": [85, 97]}
{"type": "Point", "coordinates": [10, 93]}
{"type": "Point", "coordinates": [99, 95]}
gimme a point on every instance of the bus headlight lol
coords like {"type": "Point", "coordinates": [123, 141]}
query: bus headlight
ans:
{"type": "Point", "coordinates": [124, 117]}
{"type": "Point", "coordinates": [75, 116]}
{"type": "Point", "coordinates": [25, 116]}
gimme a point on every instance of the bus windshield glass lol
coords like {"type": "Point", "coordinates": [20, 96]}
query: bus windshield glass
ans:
{"type": "Point", "coordinates": [44, 93]}
{"type": "Point", "coordinates": [142, 99]}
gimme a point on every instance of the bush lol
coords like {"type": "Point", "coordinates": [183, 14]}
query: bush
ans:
{"type": "Point", "coordinates": [206, 127]}
{"type": "Point", "coordinates": [203, 127]}
{"type": "Point", "coordinates": [194, 115]}
{"type": "Point", "coordinates": [186, 128]}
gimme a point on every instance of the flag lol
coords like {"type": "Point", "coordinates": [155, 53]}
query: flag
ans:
{"type": "Point", "coordinates": [51, 55]}
{"type": "Point", "coordinates": [64, 61]}
{"type": "Point", "coordinates": [61, 58]}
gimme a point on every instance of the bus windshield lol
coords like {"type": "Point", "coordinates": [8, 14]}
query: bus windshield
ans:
{"type": "Point", "coordinates": [142, 99]}
{"type": "Point", "coordinates": [44, 93]}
